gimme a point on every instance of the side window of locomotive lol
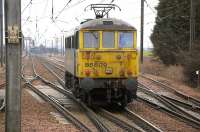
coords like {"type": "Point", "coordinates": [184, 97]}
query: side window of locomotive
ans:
{"type": "Point", "coordinates": [125, 39]}
{"type": "Point", "coordinates": [91, 39]}
{"type": "Point", "coordinates": [108, 40]}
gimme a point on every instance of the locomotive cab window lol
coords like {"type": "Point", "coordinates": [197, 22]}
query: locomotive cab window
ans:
{"type": "Point", "coordinates": [108, 40]}
{"type": "Point", "coordinates": [91, 39]}
{"type": "Point", "coordinates": [126, 40]}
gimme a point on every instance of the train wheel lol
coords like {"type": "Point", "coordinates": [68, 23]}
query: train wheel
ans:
{"type": "Point", "coordinates": [89, 100]}
{"type": "Point", "coordinates": [83, 96]}
{"type": "Point", "coordinates": [124, 101]}
{"type": "Point", "coordinates": [75, 87]}
{"type": "Point", "coordinates": [66, 80]}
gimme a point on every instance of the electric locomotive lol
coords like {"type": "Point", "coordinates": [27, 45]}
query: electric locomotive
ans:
{"type": "Point", "coordinates": [101, 61]}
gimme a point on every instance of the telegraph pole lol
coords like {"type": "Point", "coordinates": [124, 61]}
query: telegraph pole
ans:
{"type": "Point", "coordinates": [52, 47]}
{"type": "Point", "coordinates": [142, 31]}
{"type": "Point", "coordinates": [63, 45]}
{"type": "Point", "coordinates": [60, 46]}
{"type": "Point", "coordinates": [13, 65]}
{"type": "Point", "coordinates": [192, 23]}
{"type": "Point", "coordinates": [45, 47]}
{"type": "Point", "coordinates": [1, 31]}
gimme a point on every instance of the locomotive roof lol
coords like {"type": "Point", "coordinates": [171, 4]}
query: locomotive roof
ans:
{"type": "Point", "coordinates": [106, 23]}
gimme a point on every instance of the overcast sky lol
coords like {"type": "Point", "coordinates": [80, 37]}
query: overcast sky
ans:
{"type": "Point", "coordinates": [40, 12]}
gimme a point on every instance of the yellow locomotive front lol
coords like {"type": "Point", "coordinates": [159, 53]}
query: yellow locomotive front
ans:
{"type": "Point", "coordinates": [106, 62]}
{"type": "Point", "coordinates": [107, 54]}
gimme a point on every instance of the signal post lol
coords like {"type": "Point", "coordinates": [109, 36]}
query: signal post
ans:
{"type": "Point", "coordinates": [13, 65]}
{"type": "Point", "coordinates": [1, 32]}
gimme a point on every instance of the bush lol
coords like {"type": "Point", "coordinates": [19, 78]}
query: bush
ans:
{"type": "Point", "coordinates": [191, 63]}
{"type": "Point", "coordinates": [156, 67]}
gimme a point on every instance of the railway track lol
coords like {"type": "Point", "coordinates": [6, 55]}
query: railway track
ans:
{"type": "Point", "coordinates": [178, 97]}
{"type": "Point", "coordinates": [27, 73]}
{"type": "Point", "coordinates": [168, 106]}
{"type": "Point", "coordinates": [190, 99]}
{"type": "Point", "coordinates": [91, 115]}
{"type": "Point", "coordinates": [127, 126]}
{"type": "Point", "coordinates": [57, 60]}
{"type": "Point", "coordinates": [147, 126]}
{"type": "Point", "coordinates": [141, 123]}
{"type": "Point", "coordinates": [2, 85]}
{"type": "Point", "coordinates": [58, 106]}
{"type": "Point", "coordinates": [113, 121]}
{"type": "Point", "coordinates": [176, 108]}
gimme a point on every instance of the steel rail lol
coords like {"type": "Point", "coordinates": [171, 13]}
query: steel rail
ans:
{"type": "Point", "coordinates": [33, 66]}
{"type": "Point", "coordinates": [2, 85]}
{"type": "Point", "coordinates": [124, 125]}
{"type": "Point", "coordinates": [147, 126]}
{"type": "Point", "coordinates": [168, 103]}
{"type": "Point", "coordinates": [59, 61]}
{"type": "Point", "coordinates": [67, 114]}
{"type": "Point", "coordinates": [178, 93]}
{"type": "Point", "coordinates": [33, 72]}
{"type": "Point", "coordinates": [56, 63]}
{"type": "Point", "coordinates": [170, 112]}
{"type": "Point", "coordinates": [178, 109]}
{"type": "Point", "coordinates": [62, 83]}
{"type": "Point", "coordinates": [93, 117]}
{"type": "Point", "coordinates": [183, 104]}
{"type": "Point", "coordinates": [171, 106]}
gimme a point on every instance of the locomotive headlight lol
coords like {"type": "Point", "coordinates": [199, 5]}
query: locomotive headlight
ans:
{"type": "Point", "coordinates": [109, 70]}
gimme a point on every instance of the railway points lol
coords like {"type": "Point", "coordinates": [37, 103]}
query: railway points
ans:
{"type": "Point", "coordinates": [125, 126]}
{"type": "Point", "coordinates": [56, 66]}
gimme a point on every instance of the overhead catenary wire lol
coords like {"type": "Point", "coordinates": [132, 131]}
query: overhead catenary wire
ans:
{"type": "Point", "coordinates": [30, 3]}
{"type": "Point", "coordinates": [112, 1]}
{"type": "Point", "coordinates": [54, 22]}
{"type": "Point", "coordinates": [149, 6]}
{"type": "Point", "coordinates": [45, 8]}
{"type": "Point", "coordinates": [75, 4]}
{"type": "Point", "coordinates": [63, 8]}
{"type": "Point", "coordinates": [104, 0]}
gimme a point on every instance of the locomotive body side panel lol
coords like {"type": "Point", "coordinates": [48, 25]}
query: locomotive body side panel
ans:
{"type": "Point", "coordinates": [70, 54]}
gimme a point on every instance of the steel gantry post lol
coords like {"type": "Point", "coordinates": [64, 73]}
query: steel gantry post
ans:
{"type": "Point", "coordinates": [13, 65]}
{"type": "Point", "coordinates": [142, 31]}
{"type": "Point", "coordinates": [1, 32]}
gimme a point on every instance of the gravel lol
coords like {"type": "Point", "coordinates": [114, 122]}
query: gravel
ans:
{"type": "Point", "coordinates": [194, 92]}
{"type": "Point", "coordinates": [160, 119]}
